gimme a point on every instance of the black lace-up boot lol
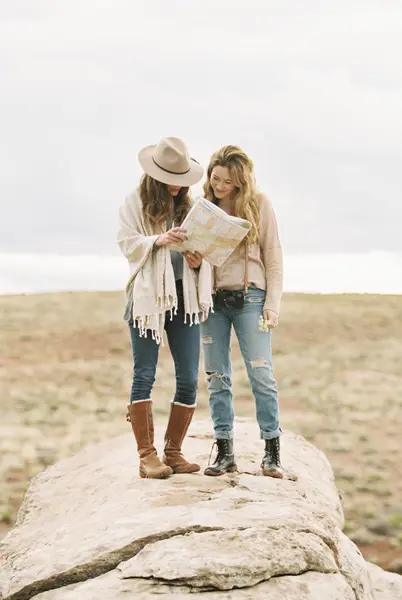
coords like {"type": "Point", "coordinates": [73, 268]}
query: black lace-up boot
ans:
{"type": "Point", "coordinates": [224, 461]}
{"type": "Point", "coordinates": [271, 463]}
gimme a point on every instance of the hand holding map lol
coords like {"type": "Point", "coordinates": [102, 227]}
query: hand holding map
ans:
{"type": "Point", "coordinates": [212, 232]}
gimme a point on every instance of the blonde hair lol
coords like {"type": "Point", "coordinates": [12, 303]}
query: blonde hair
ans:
{"type": "Point", "coordinates": [158, 205]}
{"type": "Point", "coordinates": [246, 200]}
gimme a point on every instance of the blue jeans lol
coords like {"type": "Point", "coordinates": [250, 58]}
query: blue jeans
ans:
{"type": "Point", "coordinates": [256, 350]}
{"type": "Point", "coordinates": [184, 344]}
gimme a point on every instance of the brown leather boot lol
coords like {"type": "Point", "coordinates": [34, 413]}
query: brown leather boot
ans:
{"type": "Point", "coordinates": [139, 414]}
{"type": "Point", "coordinates": [179, 421]}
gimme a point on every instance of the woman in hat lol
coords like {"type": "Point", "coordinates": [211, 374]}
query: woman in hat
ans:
{"type": "Point", "coordinates": [164, 292]}
{"type": "Point", "coordinates": [247, 291]}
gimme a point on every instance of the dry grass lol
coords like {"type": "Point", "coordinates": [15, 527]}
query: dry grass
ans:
{"type": "Point", "coordinates": [66, 368]}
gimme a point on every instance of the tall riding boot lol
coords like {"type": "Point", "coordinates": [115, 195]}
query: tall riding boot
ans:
{"type": "Point", "coordinates": [179, 421]}
{"type": "Point", "coordinates": [271, 462]}
{"type": "Point", "coordinates": [224, 461]}
{"type": "Point", "coordinates": [139, 414]}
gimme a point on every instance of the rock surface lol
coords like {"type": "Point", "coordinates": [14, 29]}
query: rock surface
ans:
{"type": "Point", "coordinates": [89, 527]}
{"type": "Point", "coordinates": [309, 586]}
{"type": "Point", "coordinates": [222, 564]}
{"type": "Point", "coordinates": [386, 586]}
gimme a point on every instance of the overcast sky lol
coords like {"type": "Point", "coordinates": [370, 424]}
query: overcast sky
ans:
{"type": "Point", "coordinates": [311, 90]}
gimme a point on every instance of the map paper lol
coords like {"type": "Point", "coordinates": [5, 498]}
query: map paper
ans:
{"type": "Point", "coordinates": [212, 232]}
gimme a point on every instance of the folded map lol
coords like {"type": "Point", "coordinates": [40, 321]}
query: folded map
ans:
{"type": "Point", "coordinates": [212, 232]}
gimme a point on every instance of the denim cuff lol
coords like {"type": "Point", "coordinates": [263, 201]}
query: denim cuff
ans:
{"type": "Point", "coordinates": [224, 435]}
{"type": "Point", "coordinates": [270, 435]}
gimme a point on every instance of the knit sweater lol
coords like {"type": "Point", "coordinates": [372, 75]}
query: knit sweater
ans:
{"type": "Point", "coordinates": [265, 264]}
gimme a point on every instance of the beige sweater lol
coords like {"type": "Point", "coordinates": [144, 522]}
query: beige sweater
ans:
{"type": "Point", "coordinates": [265, 266]}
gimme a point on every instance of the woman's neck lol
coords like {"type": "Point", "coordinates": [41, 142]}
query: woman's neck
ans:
{"type": "Point", "coordinates": [227, 205]}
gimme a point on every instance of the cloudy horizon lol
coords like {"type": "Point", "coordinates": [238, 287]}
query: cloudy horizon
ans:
{"type": "Point", "coordinates": [311, 91]}
{"type": "Point", "coordinates": [303, 273]}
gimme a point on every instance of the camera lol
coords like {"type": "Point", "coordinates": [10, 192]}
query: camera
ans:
{"type": "Point", "coordinates": [229, 299]}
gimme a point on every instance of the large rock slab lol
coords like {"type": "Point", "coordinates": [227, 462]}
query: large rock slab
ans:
{"type": "Point", "coordinates": [308, 586]}
{"type": "Point", "coordinates": [386, 586]}
{"type": "Point", "coordinates": [242, 558]}
{"type": "Point", "coordinates": [91, 519]}
{"type": "Point", "coordinates": [217, 558]}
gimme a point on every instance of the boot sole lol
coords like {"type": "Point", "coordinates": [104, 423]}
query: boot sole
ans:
{"type": "Point", "coordinates": [183, 469]}
{"type": "Point", "coordinates": [163, 475]}
{"type": "Point", "coordinates": [180, 471]}
{"type": "Point", "coordinates": [219, 473]}
{"type": "Point", "coordinates": [273, 474]}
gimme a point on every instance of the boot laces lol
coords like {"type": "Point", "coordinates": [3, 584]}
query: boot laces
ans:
{"type": "Point", "coordinates": [210, 454]}
{"type": "Point", "coordinates": [274, 450]}
{"type": "Point", "coordinates": [222, 446]}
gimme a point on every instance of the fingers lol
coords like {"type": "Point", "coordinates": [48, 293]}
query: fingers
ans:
{"type": "Point", "coordinates": [193, 255]}
{"type": "Point", "coordinates": [192, 263]}
{"type": "Point", "coordinates": [175, 238]}
{"type": "Point", "coordinates": [193, 259]}
{"type": "Point", "coordinates": [178, 233]}
{"type": "Point", "coordinates": [268, 318]}
{"type": "Point", "coordinates": [271, 319]}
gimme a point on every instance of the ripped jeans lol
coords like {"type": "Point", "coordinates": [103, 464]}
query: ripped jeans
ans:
{"type": "Point", "coordinates": [256, 350]}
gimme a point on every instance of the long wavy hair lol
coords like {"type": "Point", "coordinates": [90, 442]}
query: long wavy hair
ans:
{"type": "Point", "coordinates": [246, 201]}
{"type": "Point", "coordinates": [158, 205]}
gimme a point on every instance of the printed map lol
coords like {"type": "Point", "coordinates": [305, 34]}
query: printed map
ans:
{"type": "Point", "coordinates": [212, 232]}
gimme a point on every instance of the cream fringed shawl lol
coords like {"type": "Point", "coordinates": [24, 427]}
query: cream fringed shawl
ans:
{"type": "Point", "coordinates": [151, 288]}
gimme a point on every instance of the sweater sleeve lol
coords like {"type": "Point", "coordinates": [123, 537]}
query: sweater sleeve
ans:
{"type": "Point", "coordinates": [132, 243]}
{"type": "Point", "coordinates": [271, 255]}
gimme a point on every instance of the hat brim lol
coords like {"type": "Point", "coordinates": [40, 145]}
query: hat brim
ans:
{"type": "Point", "coordinates": [193, 176]}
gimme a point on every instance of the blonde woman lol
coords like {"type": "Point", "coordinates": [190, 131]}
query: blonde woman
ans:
{"type": "Point", "coordinates": [164, 292]}
{"type": "Point", "coordinates": [246, 288]}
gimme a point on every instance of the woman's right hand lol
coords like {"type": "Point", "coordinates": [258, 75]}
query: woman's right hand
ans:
{"type": "Point", "coordinates": [176, 235]}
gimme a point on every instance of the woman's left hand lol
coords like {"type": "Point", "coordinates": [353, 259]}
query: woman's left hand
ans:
{"type": "Point", "coordinates": [272, 318]}
{"type": "Point", "coordinates": [194, 259]}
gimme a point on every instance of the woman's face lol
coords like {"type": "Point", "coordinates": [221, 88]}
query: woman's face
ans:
{"type": "Point", "coordinates": [173, 190]}
{"type": "Point", "coordinates": [221, 182]}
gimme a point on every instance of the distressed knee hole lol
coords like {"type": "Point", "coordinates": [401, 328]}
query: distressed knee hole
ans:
{"type": "Point", "coordinates": [211, 374]}
{"type": "Point", "coordinates": [207, 339]}
{"type": "Point", "coordinates": [218, 380]}
{"type": "Point", "coordinates": [259, 363]}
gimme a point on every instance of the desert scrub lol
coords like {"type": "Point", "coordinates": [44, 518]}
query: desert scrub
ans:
{"type": "Point", "coordinates": [373, 487]}
{"type": "Point", "coordinates": [6, 516]}
{"type": "Point", "coordinates": [395, 520]}
{"type": "Point", "coordinates": [368, 512]}
{"type": "Point", "coordinates": [376, 477]}
{"type": "Point", "coordinates": [350, 527]}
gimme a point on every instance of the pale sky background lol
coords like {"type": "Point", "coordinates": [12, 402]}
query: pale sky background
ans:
{"type": "Point", "coordinates": [311, 90]}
